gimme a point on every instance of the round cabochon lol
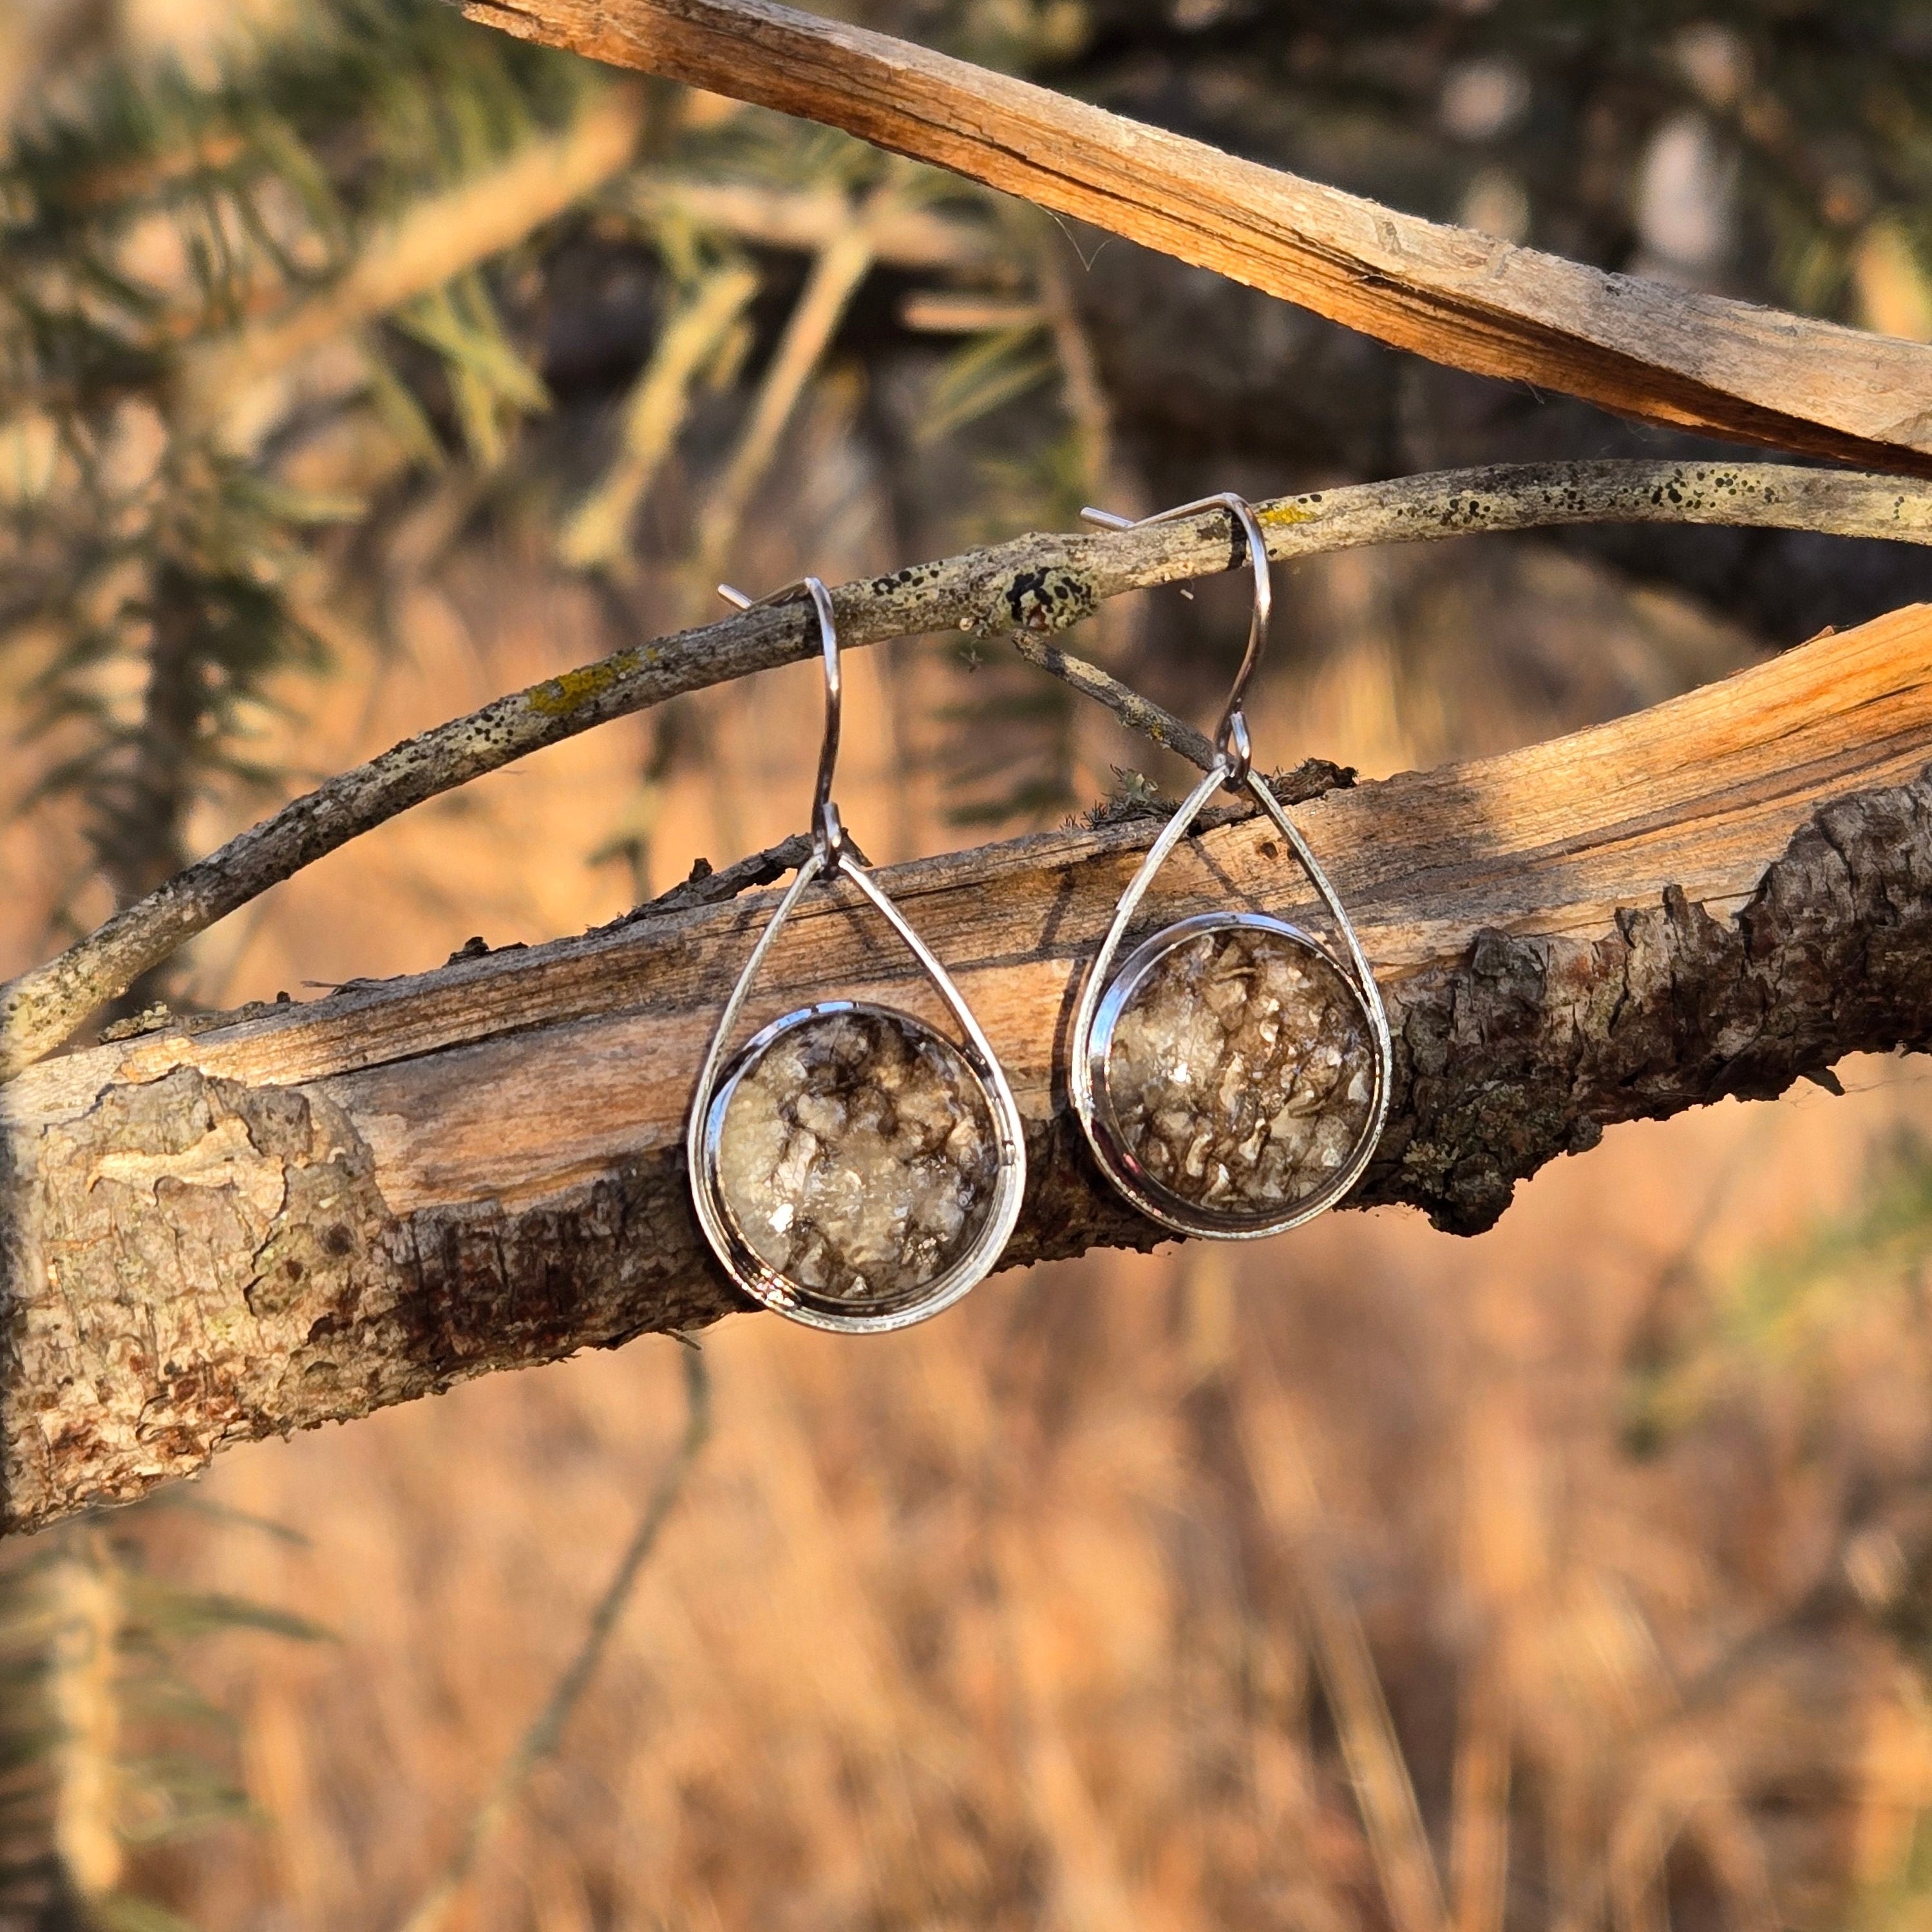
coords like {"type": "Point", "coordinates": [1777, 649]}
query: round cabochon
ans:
{"type": "Point", "coordinates": [1234, 1075]}
{"type": "Point", "coordinates": [853, 1151]}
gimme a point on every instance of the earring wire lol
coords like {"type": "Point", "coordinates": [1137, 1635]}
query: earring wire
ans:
{"type": "Point", "coordinates": [828, 829]}
{"type": "Point", "coordinates": [1233, 747]}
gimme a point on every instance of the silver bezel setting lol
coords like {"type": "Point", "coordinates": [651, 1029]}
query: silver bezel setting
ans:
{"type": "Point", "coordinates": [871, 1314]}
{"type": "Point", "coordinates": [1157, 1202]}
{"type": "Point", "coordinates": [1105, 995]}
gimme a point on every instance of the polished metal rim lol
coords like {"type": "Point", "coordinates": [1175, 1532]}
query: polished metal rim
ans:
{"type": "Point", "coordinates": [1154, 1199]}
{"type": "Point", "coordinates": [869, 1314]}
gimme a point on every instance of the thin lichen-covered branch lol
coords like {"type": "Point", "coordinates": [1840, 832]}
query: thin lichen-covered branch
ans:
{"type": "Point", "coordinates": [311, 1211]}
{"type": "Point", "coordinates": [1644, 349]}
{"type": "Point", "coordinates": [1037, 583]}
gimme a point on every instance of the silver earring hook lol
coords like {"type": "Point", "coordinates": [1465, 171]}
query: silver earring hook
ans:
{"type": "Point", "coordinates": [1233, 748]}
{"type": "Point", "coordinates": [828, 830]}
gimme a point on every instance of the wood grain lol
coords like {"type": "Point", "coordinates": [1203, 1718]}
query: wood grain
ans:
{"type": "Point", "coordinates": [1643, 349]}
{"type": "Point", "coordinates": [1037, 584]}
{"type": "Point", "coordinates": [309, 1211]}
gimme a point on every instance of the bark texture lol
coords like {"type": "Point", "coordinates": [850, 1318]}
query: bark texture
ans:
{"type": "Point", "coordinates": [304, 1213]}
{"type": "Point", "coordinates": [1038, 584]}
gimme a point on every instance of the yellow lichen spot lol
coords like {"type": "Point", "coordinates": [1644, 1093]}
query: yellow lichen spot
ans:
{"type": "Point", "coordinates": [558, 696]}
{"type": "Point", "coordinates": [1284, 514]}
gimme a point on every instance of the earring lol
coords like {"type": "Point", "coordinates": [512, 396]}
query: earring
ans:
{"type": "Point", "coordinates": [852, 1167]}
{"type": "Point", "coordinates": [1233, 1078]}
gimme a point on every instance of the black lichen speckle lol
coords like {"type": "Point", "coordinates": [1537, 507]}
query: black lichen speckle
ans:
{"type": "Point", "coordinates": [1050, 598]}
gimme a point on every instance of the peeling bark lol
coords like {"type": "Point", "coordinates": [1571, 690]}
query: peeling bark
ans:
{"type": "Point", "coordinates": [1529, 1048]}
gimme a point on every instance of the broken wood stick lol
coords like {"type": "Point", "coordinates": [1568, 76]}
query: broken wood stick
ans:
{"type": "Point", "coordinates": [312, 1211]}
{"type": "Point", "coordinates": [1644, 349]}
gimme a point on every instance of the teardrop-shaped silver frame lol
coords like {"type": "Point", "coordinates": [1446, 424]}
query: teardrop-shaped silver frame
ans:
{"type": "Point", "coordinates": [832, 857]}
{"type": "Point", "coordinates": [1103, 999]}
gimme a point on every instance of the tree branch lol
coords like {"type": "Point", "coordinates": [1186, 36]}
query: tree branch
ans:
{"type": "Point", "coordinates": [903, 234]}
{"type": "Point", "coordinates": [1037, 583]}
{"type": "Point", "coordinates": [312, 1211]}
{"type": "Point", "coordinates": [1643, 349]}
{"type": "Point", "coordinates": [433, 242]}
{"type": "Point", "coordinates": [1159, 726]}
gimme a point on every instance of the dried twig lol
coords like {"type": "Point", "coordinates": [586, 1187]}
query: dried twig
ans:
{"type": "Point", "coordinates": [806, 220]}
{"type": "Point", "coordinates": [540, 1741]}
{"type": "Point", "coordinates": [1136, 713]}
{"type": "Point", "coordinates": [843, 264]}
{"type": "Point", "coordinates": [596, 532]}
{"type": "Point", "coordinates": [1645, 349]}
{"type": "Point", "coordinates": [1088, 404]}
{"type": "Point", "coordinates": [1038, 584]}
{"type": "Point", "coordinates": [1291, 1505]}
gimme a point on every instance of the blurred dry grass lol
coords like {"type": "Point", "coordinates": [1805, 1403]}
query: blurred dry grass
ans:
{"type": "Point", "coordinates": [1319, 1586]}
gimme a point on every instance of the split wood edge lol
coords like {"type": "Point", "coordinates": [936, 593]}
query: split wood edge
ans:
{"type": "Point", "coordinates": [1644, 349]}
{"type": "Point", "coordinates": [1038, 584]}
{"type": "Point", "coordinates": [315, 1211]}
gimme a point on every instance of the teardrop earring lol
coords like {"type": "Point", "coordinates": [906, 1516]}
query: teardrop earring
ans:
{"type": "Point", "coordinates": [851, 1167]}
{"type": "Point", "coordinates": [1232, 1078]}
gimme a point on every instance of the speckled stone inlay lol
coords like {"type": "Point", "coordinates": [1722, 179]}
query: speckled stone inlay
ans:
{"type": "Point", "coordinates": [857, 1155]}
{"type": "Point", "coordinates": [1241, 1072]}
